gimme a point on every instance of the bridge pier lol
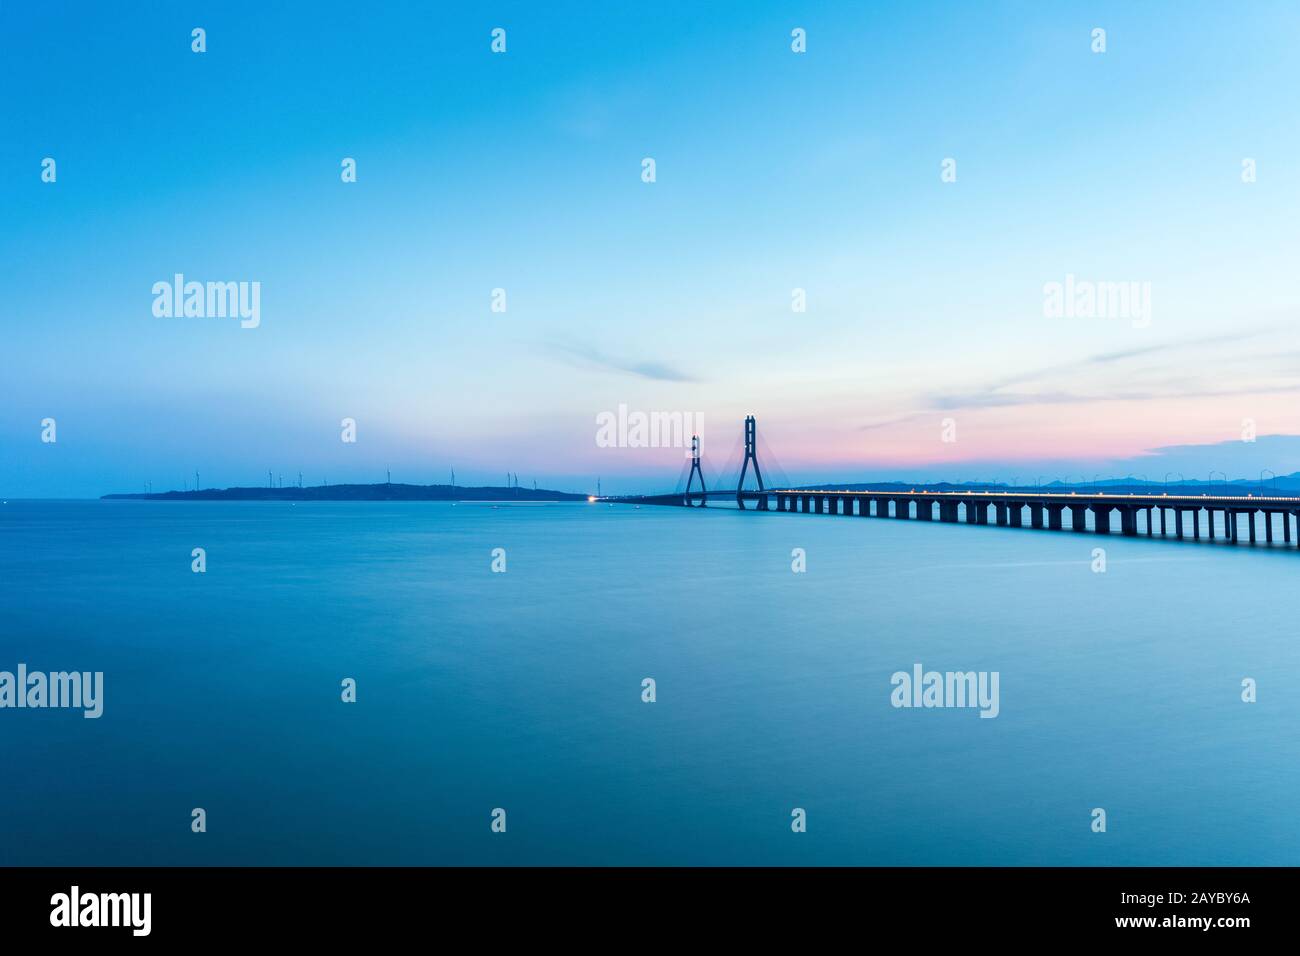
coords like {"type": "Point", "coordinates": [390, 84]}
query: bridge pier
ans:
{"type": "Point", "coordinates": [1100, 519]}
{"type": "Point", "coordinates": [1170, 513]}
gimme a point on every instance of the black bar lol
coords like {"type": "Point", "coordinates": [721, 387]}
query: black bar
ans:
{"type": "Point", "coordinates": [333, 905]}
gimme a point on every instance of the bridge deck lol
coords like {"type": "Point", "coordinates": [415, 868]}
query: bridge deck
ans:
{"type": "Point", "coordinates": [1138, 513]}
{"type": "Point", "coordinates": [1061, 497]}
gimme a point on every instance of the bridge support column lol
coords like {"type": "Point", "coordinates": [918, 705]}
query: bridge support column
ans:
{"type": "Point", "coordinates": [1286, 527]}
{"type": "Point", "coordinates": [1054, 522]}
{"type": "Point", "coordinates": [1078, 518]}
{"type": "Point", "coordinates": [1016, 514]}
{"type": "Point", "coordinates": [1178, 523]}
{"type": "Point", "coordinates": [1196, 524]}
{"type": "Point", "coordinates": [1209, 523]}
{"type": "Point", "coordinates": [882, 507]}
{"type": "Point", "coordinates": [902, 508]}
{"type": "Point", "coordinates": [1035, 516]}
{"type": "Point", "coordinates": [1268, 526]}
{"type": "Point", "coordinates": [1101, 519]}
{"type": "Point", "coordinates": [982, 512]}
{"type": "Point", "coordinates": [924, 509]}
{"type": "Point", "coordinates": [1230, 524]}
{"type": "Point", "coordinates": [948, 511]}
{"type": "Point", "coordinates": [762, 503]}
{"type": "Point", "coordinates": [1128, 522]}
{"type": "Point", "coordinates": [1250, 516]}
{"type": "Point", "coordinates": [1002, 514]}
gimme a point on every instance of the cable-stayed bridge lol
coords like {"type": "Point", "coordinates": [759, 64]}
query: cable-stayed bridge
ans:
{"type": "Point", "coordinates": [1230, 518]}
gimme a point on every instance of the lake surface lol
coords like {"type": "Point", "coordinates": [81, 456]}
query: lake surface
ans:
{"type": "Point", "coordinates": [522, 690]}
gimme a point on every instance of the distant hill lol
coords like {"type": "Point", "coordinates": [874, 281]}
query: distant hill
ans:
{"type": "Point", "coordinates": [379, 492]}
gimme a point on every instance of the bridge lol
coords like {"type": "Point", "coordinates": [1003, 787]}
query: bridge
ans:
{"type": "Point", "coordinates": [1128, 514]}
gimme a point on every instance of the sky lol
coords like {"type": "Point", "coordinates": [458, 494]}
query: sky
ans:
{"type": "Point", "coordinates": [926, 350]}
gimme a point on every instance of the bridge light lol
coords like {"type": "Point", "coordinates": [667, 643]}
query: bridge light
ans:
{"type": "Point", "coordinates": [591, 498]}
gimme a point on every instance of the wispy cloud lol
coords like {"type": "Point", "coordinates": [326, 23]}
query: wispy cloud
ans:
{"type": "Point", "coordinates": [1197, 368]}
{"type": "Point", "coordinates": [582, 356]}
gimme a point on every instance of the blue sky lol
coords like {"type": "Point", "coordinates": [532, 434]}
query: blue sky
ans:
{"type": "Point", "coordinates": [522, 171]}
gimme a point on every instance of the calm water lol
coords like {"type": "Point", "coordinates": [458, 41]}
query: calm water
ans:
{"type": "Point", "coordinates": [523, 690]}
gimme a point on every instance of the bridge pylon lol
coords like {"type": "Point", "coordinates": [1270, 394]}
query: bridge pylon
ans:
{"type": "Point", "coordinates": [695, 470]}
{"type": "Point", "coordinates": [751, 455]}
